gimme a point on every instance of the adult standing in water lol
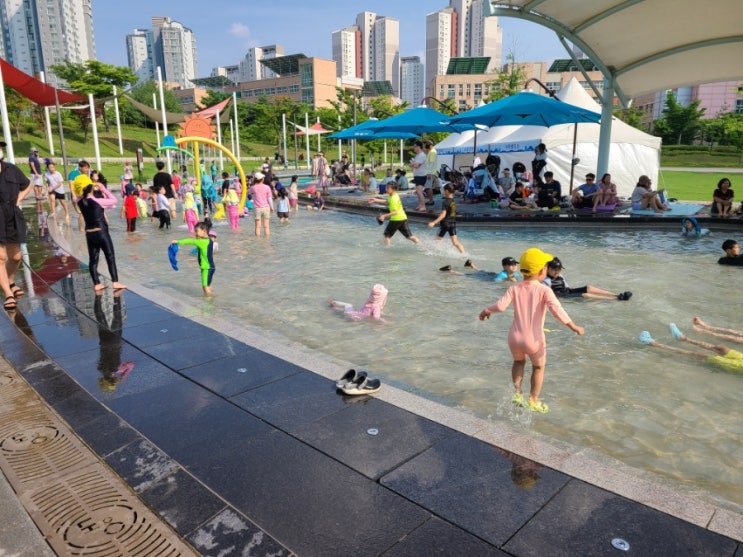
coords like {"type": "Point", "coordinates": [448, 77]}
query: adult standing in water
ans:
{"type": "Point", "coordinates": [97, 239]}
{"type": "Point", "coordinates": [14, 186]}
{"type": "Point", "coordinates": [262, 204]}
{"type": "Point", "coordinates": [163, 179]}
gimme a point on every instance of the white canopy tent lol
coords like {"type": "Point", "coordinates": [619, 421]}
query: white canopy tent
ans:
{"type": "Point", "coordinates": [633, 152]}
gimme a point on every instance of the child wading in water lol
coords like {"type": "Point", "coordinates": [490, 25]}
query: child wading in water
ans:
{"type": "Point", "coordinates": [205, 245]}
{"type": "Point", "coordinates": [531, 300]}
{"type": "Point", "coordinates": [372, 307]}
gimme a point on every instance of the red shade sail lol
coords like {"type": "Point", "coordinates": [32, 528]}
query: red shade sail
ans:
{"type": "Point", "coordinates": [34, 90]}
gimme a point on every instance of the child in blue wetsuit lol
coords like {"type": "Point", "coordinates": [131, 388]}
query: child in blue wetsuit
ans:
{"type": "Point", "coordinates": [690, 228]}
{"type": "Point", "coordinates": [205, 247]}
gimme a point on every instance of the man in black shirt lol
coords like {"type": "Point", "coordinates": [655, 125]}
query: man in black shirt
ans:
{"type": "Point", "coordinates": [165, 180]}
{"type": "Point", "coordinates": [732, 254]}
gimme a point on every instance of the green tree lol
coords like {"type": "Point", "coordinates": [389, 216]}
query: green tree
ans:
{"type": "Point", "coordinates": [19, 109]}
{"type": "Point", "coordinates": [508, 82]}
{"type": "Point", "coordinates": [732, 131]}
{"type": "Point", "coordinates": [632, 116]}
{"type": "Point", "coordinates": [679, 124]}
{"type": "Point", "coordinates": [96, 78]}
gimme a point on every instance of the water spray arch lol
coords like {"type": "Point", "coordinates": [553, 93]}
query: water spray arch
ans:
{"type": "Point", "coordinates": [196, 140]}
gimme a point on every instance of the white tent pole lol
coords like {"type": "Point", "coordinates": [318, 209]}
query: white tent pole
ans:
{"type": "Point", "coordinates": [47, 121]}
{"type": "Point", "coordinates": [7, 135]}
{"type": "Point", "coordinates": [95, 132]}
{"type": "Point", "coordinates": [157, 125]}
{"type": "Point", "coordinates": [165, 119]}
{"type": "Point", "coordinates": [219, 140]}
{"type": "Point", "coordinates": [307, 137]}
{"type": "Point", "coordinates": [340, 141]}
{"type": "Point", "coordinates": [283, 130]}
{"type": "Point", "coordinates": [232, 136]}
{"type": "Point", "coordinates": [401, 163]}
{"type": "Point", "coordinates": [572, 160]}
{"type": "Point", "coordinates": [118, 121]}
{"type": "Point", "coordinates": [385, 151]}
{"type": "Point", "coordinates": [237, 129]}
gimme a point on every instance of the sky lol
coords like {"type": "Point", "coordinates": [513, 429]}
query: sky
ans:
{"type": "Point", "coordinates": [225, 29]}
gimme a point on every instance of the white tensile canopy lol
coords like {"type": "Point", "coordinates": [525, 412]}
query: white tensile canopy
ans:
{"type": "Point", "coordinates": [633, 152]}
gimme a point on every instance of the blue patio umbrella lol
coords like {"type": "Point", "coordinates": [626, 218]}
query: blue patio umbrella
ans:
{"type": "Point", "coordinates": [525, 109]}
{"type": "Point", "coordinates": [417, 121]}
{"type": "Point", "coordinates": [365, 131]}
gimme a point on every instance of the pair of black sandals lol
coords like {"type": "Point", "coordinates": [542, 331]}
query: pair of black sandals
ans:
{"type": "Point", "coordinates": [11, 301]}
{"type": "Point", "coordinates": [357, 382]}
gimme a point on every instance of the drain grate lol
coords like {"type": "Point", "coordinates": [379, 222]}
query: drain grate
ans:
{"type": "Point", "coordinates": [80, 506]}
{"type": "Point", "coordinates": [90, 516]}
{"type": "Point", "coordinates": [33, 452]}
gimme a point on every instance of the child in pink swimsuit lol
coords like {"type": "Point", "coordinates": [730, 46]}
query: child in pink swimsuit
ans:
{"type": "Point", "coordinates": [371, 308]}
{"type": "Point", "coordinates": [531, 300]}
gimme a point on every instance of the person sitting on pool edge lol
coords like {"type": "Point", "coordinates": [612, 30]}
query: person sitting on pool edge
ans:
{"type": "Point", "coordinates": [732, 253]}
{"type": "Point", "coordinates": [582, 196]}
{"type": "Point", "coordinates": [560, 287]}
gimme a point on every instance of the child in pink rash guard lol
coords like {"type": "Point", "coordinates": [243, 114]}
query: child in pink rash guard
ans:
{"type": "Point", "coordinates": [526, 335]}
{"type": "Point", "coordinates": [371, 308]}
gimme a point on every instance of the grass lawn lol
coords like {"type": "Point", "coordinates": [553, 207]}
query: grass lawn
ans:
{"type": "Point", "coordinates": [694, 186]}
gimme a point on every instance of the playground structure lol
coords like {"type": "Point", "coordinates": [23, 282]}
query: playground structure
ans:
{"type": "Point", "coordinates": [198, 130]}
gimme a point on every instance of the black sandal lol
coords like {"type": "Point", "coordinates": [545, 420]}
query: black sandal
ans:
{"type": "Point", "coordinates": [17, 290]}
{"type": "Point", "coordinates": [10, 303]}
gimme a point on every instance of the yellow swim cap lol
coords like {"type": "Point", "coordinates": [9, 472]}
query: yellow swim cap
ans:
{"type": "Point", "coordinates": [534, 260]}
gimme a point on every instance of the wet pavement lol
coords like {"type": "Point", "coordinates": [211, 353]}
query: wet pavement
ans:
{"type": "Point", "coordinates": [246, 451]}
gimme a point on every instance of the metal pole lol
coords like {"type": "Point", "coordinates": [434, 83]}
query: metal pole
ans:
{"type": "Point", "coordinates": [219, 140]}
{"type": "Point", "coordinates": [319, 136]}
{"type": "Point", "coordinates": [47, 121]}
{"type": "Point", "coordinates": [7, 135]}
{"type": "Point", "coordinates": [237, 129]}
{"type": "Point", "coordinates": [157, 125]}
{"type": "Point", "coordinates": [232, 136]}
{"type": "Point", "coordinates": [61, 132]}
{"type": "Point", "coordinates": [165, 118]}
{"type": "Point", "coordinates": [353, 143]}
{"type": "Point", "coordinates": [95, 132]}
{"type": "Point", "coordinates": [283, 127]}
{"type": "Point", "coordinates": [572, 160]}
{"type": "Point", "coordinates": [118, 121]}
{"type": "Point", "coordinates": [307, 138]}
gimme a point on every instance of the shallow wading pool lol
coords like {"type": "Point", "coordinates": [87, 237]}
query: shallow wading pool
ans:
{"type": "Point", "coordinates": [650, 409]}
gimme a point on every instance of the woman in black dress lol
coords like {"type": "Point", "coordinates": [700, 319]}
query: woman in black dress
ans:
{"type": "Point", "coordinates": [14, 186]}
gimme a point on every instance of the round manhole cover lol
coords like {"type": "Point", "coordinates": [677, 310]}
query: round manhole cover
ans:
{"type": "Point", "coordinates": [32, 437]}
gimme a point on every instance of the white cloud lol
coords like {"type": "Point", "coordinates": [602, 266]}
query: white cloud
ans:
{"type": "Point", "coordinates": [240, 31]}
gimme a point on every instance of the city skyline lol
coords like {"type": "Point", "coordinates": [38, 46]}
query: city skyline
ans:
{"type": "Point", "coordinates": [224, 39]}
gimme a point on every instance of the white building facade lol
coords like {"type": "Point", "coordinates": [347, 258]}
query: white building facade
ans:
{"type": "Point", "coordinates": [411, 80]}
{"type": "Point", "coordinates": [369, 50]}
{"type": "Point", "coordinates": [460, 30]}
{"type": "Point", "coordinates": [37, 35]}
